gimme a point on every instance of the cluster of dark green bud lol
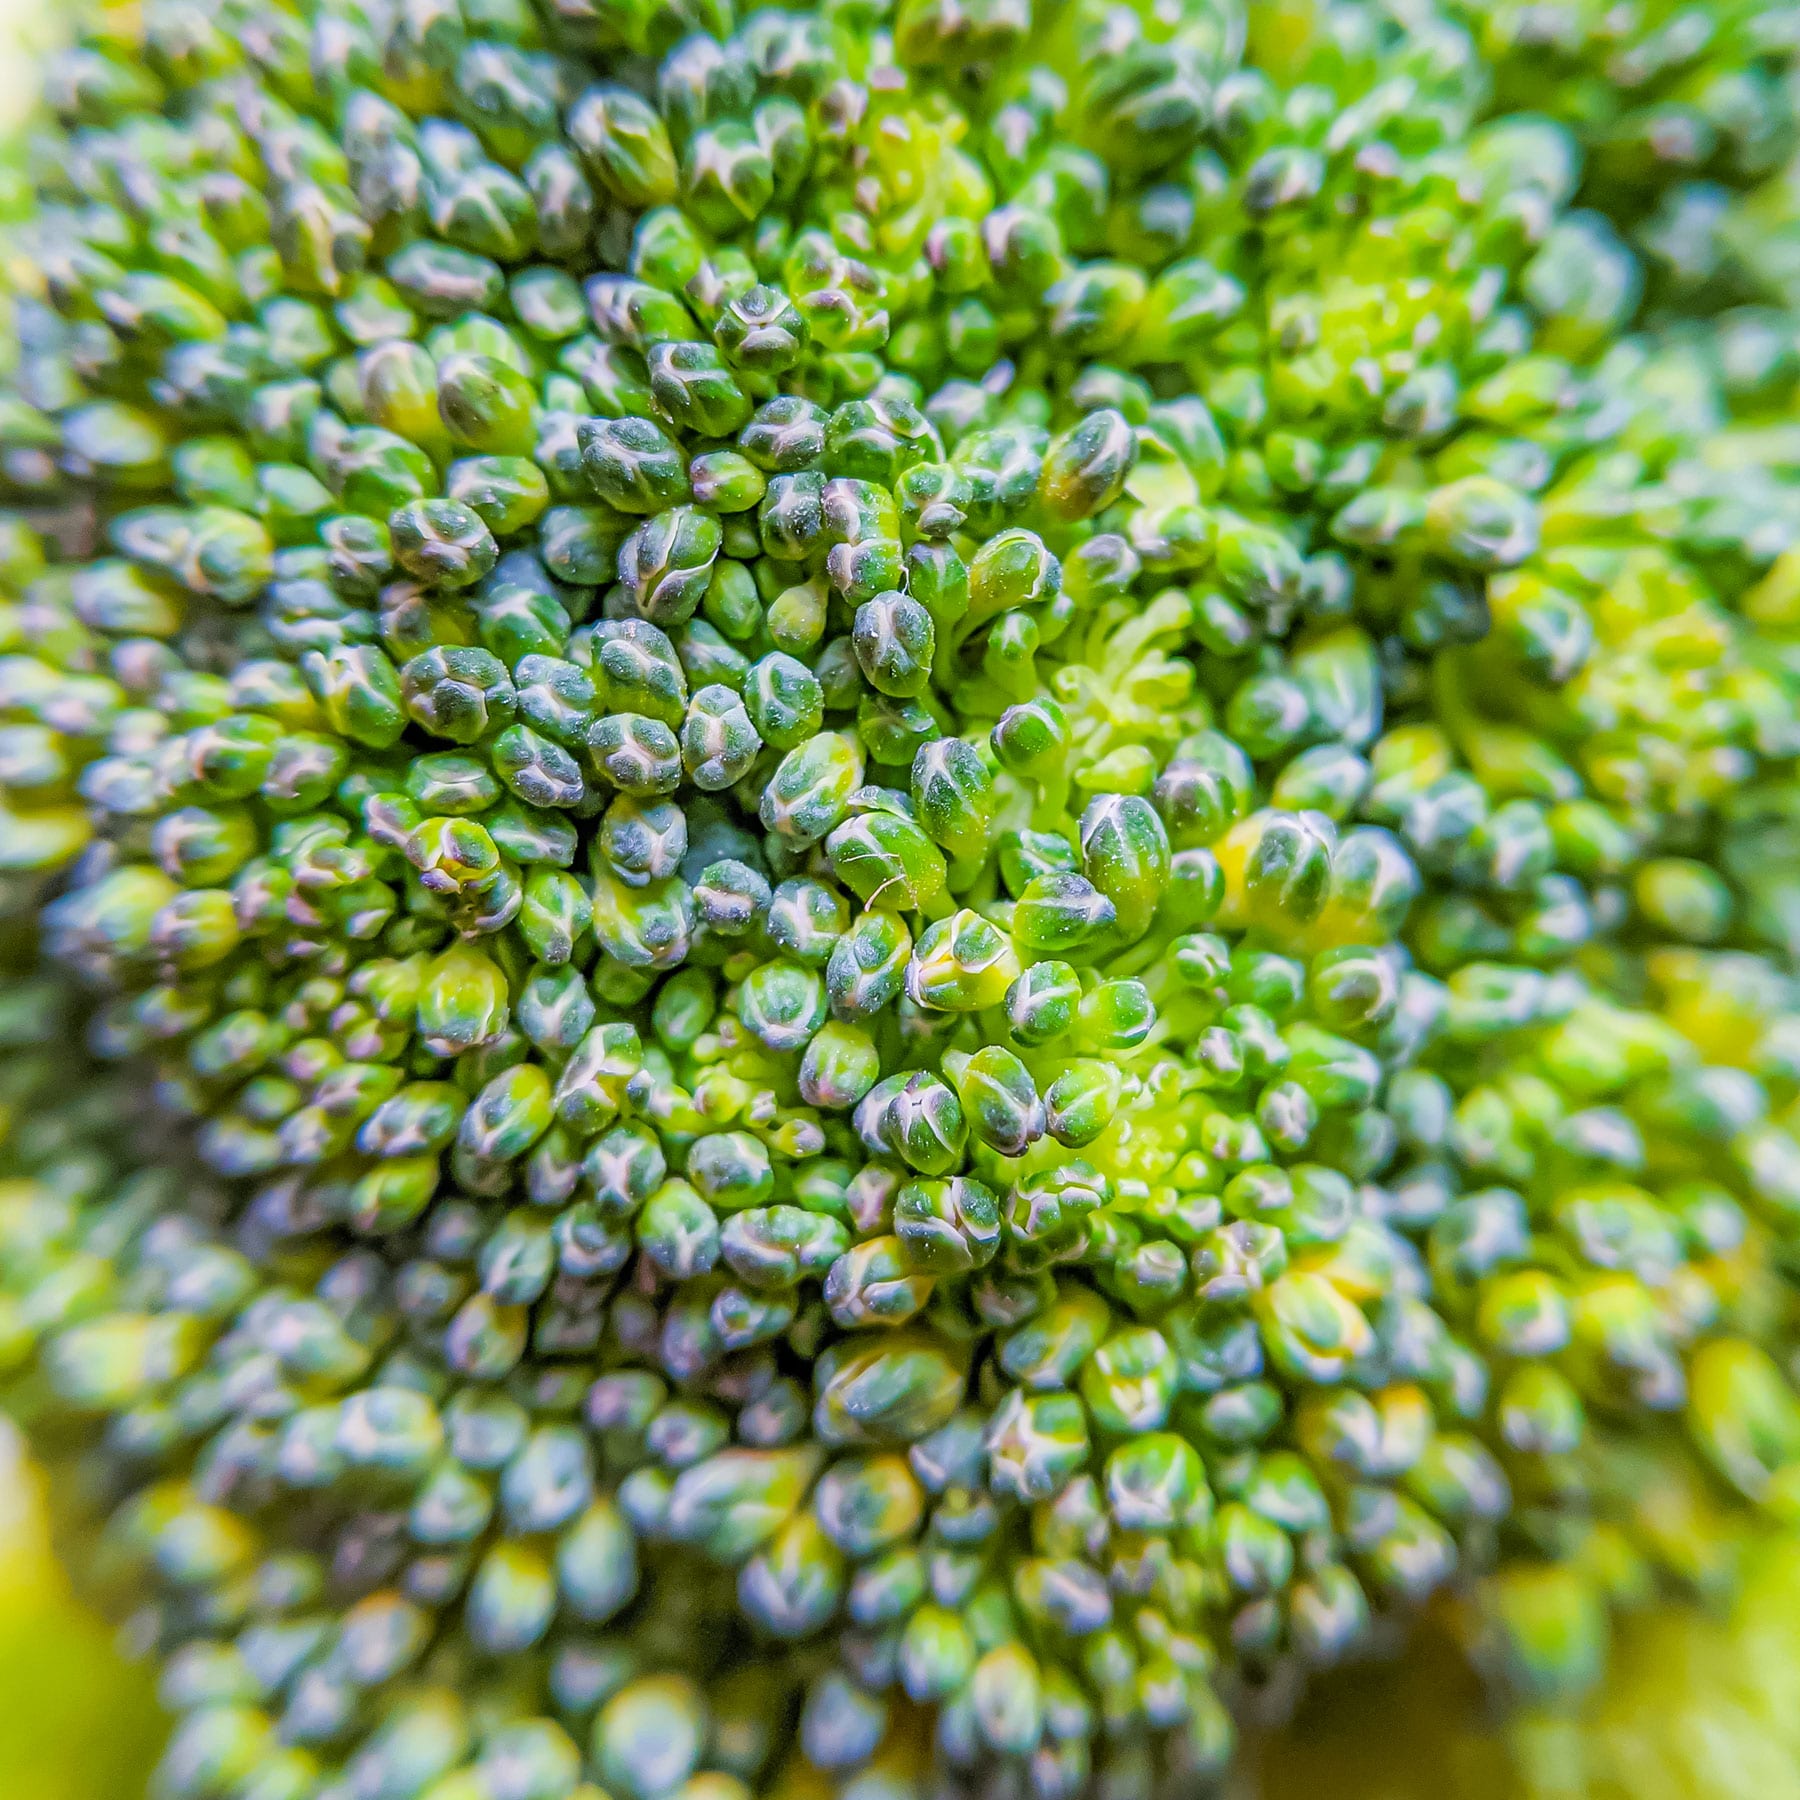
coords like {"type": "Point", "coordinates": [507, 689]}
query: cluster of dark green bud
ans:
{"type": "Point", "coordinates": [890, 891]}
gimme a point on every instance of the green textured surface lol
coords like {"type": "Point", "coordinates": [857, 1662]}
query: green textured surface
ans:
{"type": "Point", "coordinates": [1692, 1709]}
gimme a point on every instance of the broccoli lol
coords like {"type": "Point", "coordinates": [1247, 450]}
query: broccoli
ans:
{"type": "Point", "coordinates": [888, 892]}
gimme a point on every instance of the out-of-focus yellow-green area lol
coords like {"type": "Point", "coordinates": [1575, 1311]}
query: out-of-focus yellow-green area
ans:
{"type": "Point", "coordinates": [1694, 1707]}
{"type": "Point", "coordinates": [76, 1722]}
{"type": "Point", "coordinates": [26, 26]}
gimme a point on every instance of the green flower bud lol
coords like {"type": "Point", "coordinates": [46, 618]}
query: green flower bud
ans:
{"type": "Point", "coordinates": [953, 795]}
{"type": "Point", "coordinates": [442, 541]}
{"type": "Point", "coordinates": [1036, 1445]}
{"type": "Point", "coordinates": [556, 1010]}
{"type": "Point", "coordinates": [916, 1118]}
{"type": "Point", "coordinates": [867, 965]}
{"type": "Point", "coordinates": [453, 856]}
{"type": "Point", "coordinates": [727, 177]}
{"type": "Point", "coordinates": [678, 1232]}
{"type": "Point", "coordinates": [1186, 305]}
{"type": "Point", "coordinates": [644, 928]}
{"type": "Point", "coordinates": [641, 843]}
{"type": "Point", "coordinates": [1311, 1328]}
{"type": "Point", "coordinates": [866, 1504]}
{"type": "Point", "coordinates": [761, 331]}
{"type": "Point", "coordinates": [929, 34]}
{"type": "Point", "coordinates": [1060, 913]}
{"type": "Point", "coordinates": [1743, 1415]}
{"type": "Point", "coordinates": [633, 465]}
{"type": "Point", "coordinates": [1116, 1015]}
{"type": "Point", "coordinates": [862, 571]}
{"type": "Point", "coordinates": [216, 1748]}
{"type": "Point", "coordinates": [1481, 524]}
{"type": "Point", "coordinates": [579, 543]}
{"type": "Point", "coordinates": [1046, 1352]}
{"type": "Point", "coordinates": [539, 772]}
{"type": "Point", "coordinates": [784, 700]}
{"type": "Point", "coordinates": [1205, 791]}
{"type": "Point", "coordinates": [485, 405]}
{"type": "Point", "coordinates": [718, 740]}
{"type": "Point", "coordinates": [1268, 715]}
{"type": "Point", "coordinates": [1012, 570]}
{"type": "Point", "coordinates": [1125, 854]}
{"type": "Point", "coordinates": [1539, 1413]}
{"type": "Point", "coordinates": [626, 1166]}
{"type": "Point", "coordinates": [462, 1002]}
{"type": "Point", "coordinates": [773, 1247]}
{"type": "Point", "coordinates": [1041, 1005]}
{"type": "Point", "coordinates": [730, 1170]}
{"type": "Point", "coordinates": [936, 1655]}
{"type": "Point", "coordinates": [886, 861]}
{"type": "Point", "coordinates": [811, 787]}
{"type": "Point", "coordinates": [446, 783]}
{"type": "Point", "coordinates": [1684, 898]}
{"type": "Point", "coordinates": [782, 1003]}
{"type": "Point", "coordinates": [624, 146]}
{"type": "Point", "coordinates": [1063, 1596]}
{"type": "Point", "coordinates": [1156, 1483]}
{"type": "Point", "coordinates": [1080, 1102]}
{"type": "Point", "coordinates": [841, 1064]}
{"type": "Point", "coordinates": [999, 1099]}
{"type": "Point", "coordinates": [790, 522]}
{"type": "Point", "coordinates": [508, 1116]}
{"type": "Point", "coordinates": [793, 1587]}
{"type": "Point", "coordinates": [695, 390]}
{"type": "Point", "coordinates": [946, 1227]}
{"type": "Point", "coordinates": [637, 669]}
{"type": "Point", "coordinates": [666, 563]}
{"type": "Point", "coordinates": [639, 756]}
{"type": "Point", "coordinates": [1008, 1699]}
{"type": "Point", "coordinates": [875, 1283]}
{"type": "Point", "coordinates": [893, 1390]}
{"type": "Point", "coordinates": [1031, 739]}
{"type": "Point", "coordinates": [507, 493]}
{"type": "Point", "coordinates": [961, 964]}
{"type": "Point", "coordinates": [729, 897]}
{"type": "Point", "coordinates": [883, 1592]}
{"type": "Point", "coordinates": [725, 482]}
{"type": "Point", "coordinates": [930, 499]}
{"type": "Point", "coordinates": [1085, 468]}
{"type": "Point", "coordinates": [511, 1599]}
{"type": "Point", "coordinates": [894, 640]}
{"type": "Point", "coordinates": [359, 692]}
{"type": "Point", "coordinates": [649, 1736]}
{"type": "Point", "coordinates": [1129, 1382]}
{"type": "Point", "coordinates": [555, 915]}
{"type": "Point", "coordinates": [458, 693]}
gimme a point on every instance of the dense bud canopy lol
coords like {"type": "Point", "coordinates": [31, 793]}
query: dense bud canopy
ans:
{"type": "Point", "coordinates": [887, 888]}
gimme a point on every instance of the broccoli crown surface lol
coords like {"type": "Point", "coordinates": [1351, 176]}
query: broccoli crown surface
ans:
{"type": "Point", "coordinates": [890, 890]}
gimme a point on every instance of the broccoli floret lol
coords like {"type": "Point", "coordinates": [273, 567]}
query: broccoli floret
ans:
{"type": "Point", "coordinates": [888, 891]}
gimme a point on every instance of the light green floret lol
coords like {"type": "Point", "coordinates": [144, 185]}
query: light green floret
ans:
{"type": "Point", "coordinates": [890, 890]}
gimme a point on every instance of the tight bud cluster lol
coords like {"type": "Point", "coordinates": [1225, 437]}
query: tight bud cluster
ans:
{"type": "Point", "coordinates": [890, 889]}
